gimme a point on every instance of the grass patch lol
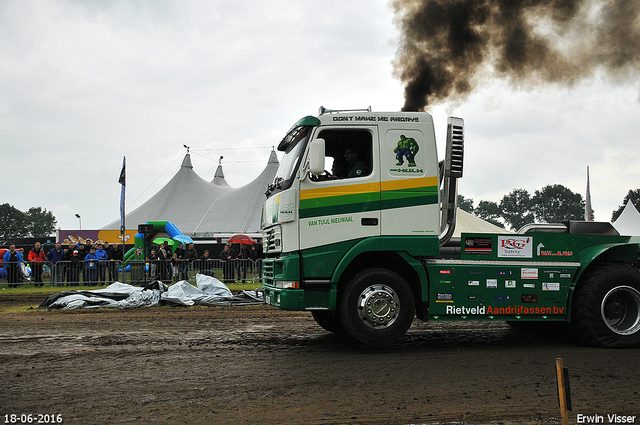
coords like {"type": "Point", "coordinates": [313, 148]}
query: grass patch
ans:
{"type": "Point", "coordinates": [19, 309]}
{"type": "Point", "coordinates": [28, 290]}
{"type": "Point", "coordinates": [234, 287]}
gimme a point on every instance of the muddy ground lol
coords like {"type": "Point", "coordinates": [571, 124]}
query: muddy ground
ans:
{"type": "Point", "coordinates": [257, 364]}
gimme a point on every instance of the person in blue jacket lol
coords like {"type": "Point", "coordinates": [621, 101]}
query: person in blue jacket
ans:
{"type": "Point", "coordinates": [91, 260]}
{"type": "Point", "coordinates": [11, 260]}
{"type": "Point", "coordinates": [56, 256]}
{"type": "Point", "coordinates": [103, 256]}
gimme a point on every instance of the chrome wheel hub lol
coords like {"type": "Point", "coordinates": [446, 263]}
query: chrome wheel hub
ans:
{"type": "Point", "coordinates": [378, 306]}
{"type": "Point", "coordinates": [620, 310]}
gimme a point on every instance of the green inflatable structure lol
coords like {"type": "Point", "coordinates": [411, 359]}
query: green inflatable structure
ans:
{"type": "Point", "coordinates": [156, 229]}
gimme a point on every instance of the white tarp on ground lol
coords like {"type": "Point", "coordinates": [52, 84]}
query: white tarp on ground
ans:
{"type": "Point", "coordinates": [210, 292]}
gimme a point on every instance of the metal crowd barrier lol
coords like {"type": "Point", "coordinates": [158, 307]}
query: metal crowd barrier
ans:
{"type": "Point", "coordinates": [62, 273]}
{"type": "Point", "coordinates": [228, 271]}
{"type": "Point", "coordinates": [238, 270]}
{"type": "Point", "coordinates": [101, 273]}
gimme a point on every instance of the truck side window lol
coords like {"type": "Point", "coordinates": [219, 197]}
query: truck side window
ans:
{"type": "Point", "coordinates": [350, 150]}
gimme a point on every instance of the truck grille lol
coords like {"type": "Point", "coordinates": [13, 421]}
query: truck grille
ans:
{"type": "Point", "coordinates": [268, 272]}
{"type": "Point", "coordinates": [272, 240]}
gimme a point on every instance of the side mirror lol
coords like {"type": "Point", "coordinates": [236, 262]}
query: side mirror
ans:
{"type": "Point", "coordinates": [316, 156]}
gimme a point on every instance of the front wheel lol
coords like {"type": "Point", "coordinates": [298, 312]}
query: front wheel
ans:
{"type": "Point", "coordinates": [606, 307]}
{"type": "Point", "coordinates": [377, 307]}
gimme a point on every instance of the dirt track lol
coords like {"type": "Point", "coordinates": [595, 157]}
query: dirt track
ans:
{"type": "Point", "coordinates": [261, 365]}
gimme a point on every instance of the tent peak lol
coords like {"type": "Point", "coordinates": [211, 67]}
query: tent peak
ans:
{"type": "Point", "coordinates": [628, 223]}
{"type": "Point", "coordinates": [218, 177]}
{"type": "Point", "coordinates": [186, 162]}
{"type": "Point", "coordinates": [273, 158]}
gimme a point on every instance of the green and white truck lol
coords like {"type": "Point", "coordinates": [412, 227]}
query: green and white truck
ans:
{"type": "Point", "coordinates": [368, 247]}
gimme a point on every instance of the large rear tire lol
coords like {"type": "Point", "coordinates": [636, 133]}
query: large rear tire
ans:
{"type": "Point", "coordinates": [606, 307]}
{"type": "Point", "coordinates": [377, 307]}
{"type": "Point", "coordinates": [329, 321]}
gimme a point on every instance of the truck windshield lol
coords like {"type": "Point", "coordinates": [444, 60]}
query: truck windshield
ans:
{"type": "Point", "coordinates": [293, 146]}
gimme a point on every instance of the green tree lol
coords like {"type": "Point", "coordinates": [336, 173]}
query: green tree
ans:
{"type": "Point", "coordinates": [516, 208]}
{"type": "Point", "coordinates": [557, 203]}
{"type": "Point", "coordinates": [489, 211]}
{"type": "Point", "coordinates": [465, 204]}
{"type": "Point", "coordinates": [634, 196]}
{"type": "Point", "coordinates": [17, 224]}
{"type": "Point", "coordinates": [11, 222]}
{"type": "Point", "coordinates": [39, 222]}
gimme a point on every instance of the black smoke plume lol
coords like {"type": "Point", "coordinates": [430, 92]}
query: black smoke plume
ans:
{"type": "Point", "coordinates": [448, 48]}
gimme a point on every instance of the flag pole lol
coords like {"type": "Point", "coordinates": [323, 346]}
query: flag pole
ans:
{"type": "Point", "coordinates": [123, 181]}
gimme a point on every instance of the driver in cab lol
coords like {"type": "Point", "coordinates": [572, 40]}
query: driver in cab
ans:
{"type": "Point", "coordinates": [357, 167]}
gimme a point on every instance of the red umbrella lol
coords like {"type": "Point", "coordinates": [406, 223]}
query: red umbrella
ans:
{"type": "Point", "coordinates": [242, 239]}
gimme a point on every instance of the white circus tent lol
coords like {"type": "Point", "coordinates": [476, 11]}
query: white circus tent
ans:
{"type": "Point", "coordinates": [628, 223]}
{"type": "Point", "coordinates": [469, 223]}
{"type": "Point", "coordinates": [202, 209]}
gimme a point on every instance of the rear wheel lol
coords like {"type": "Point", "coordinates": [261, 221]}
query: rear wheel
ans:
{"type": "Point", "coordinates": [377, 307]}
{"type": "Point", "coordinates": [328, 320]}
{"type": "Point", "coordinates": [606, 307]}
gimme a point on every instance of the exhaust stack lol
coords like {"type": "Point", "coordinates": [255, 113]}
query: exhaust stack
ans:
{"type": "Point", "coordinates": [450, 172]}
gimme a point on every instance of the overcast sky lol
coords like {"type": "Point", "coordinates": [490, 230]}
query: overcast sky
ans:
{"type": "Point", "coordinates": [84, 83]}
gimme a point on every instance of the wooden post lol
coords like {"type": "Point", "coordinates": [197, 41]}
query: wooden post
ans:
{"type": "Point", "coordinates": [562, 395]}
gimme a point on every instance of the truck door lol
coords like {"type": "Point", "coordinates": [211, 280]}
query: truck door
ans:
{"type": "Point", "coordinates": [409, 188]}
{"type": "Point", "coordinates": [342, 205]}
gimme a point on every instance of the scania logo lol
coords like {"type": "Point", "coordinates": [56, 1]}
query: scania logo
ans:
{"type": "Point", "coordinates": [286, 211]}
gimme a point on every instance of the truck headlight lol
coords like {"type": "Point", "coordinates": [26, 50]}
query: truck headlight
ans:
{"type": "Point", "coordinates": [287, 284]}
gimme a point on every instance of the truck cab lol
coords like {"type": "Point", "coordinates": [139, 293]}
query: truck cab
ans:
{"type": "Point", "coordinates": [316, 215]}
{"type": "Point", "coordinates": [357, 226]}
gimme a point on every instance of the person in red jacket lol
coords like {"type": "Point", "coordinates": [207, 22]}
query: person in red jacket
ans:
{"type": "Point", "coordinates": [36, 257]}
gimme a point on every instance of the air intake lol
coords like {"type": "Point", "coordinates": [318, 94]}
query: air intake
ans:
{"type": "Point", "coordinates": [451, 171]}
{"type": "Point", "coordinates": [455, 147]}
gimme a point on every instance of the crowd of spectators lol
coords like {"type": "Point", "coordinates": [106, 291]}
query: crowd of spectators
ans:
{"type": "Point", "coordinates": [235, 261]}
{"type": "Point", "coordinates": [168, 265]}
{"type": "Point", "coordinates": [101, 263]}
{"type": "Point", "coordinates": [165, 264]}
{"type": "Point", "coordinates": [65, 265]}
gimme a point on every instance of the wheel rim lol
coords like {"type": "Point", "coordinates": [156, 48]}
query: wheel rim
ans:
{"type": "Point", "coordinates": [620, 310]}
{"type": "Point", "coordinates": [378, 306]}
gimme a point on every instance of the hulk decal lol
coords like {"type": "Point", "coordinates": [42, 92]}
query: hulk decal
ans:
{"type": "Point", "coordinates": [407, 147]}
